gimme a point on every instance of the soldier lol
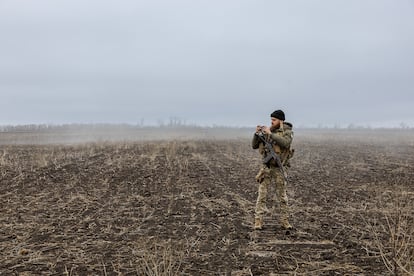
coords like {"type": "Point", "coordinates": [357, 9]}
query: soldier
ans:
{"type": "Point", "coordinates": [280, 134]}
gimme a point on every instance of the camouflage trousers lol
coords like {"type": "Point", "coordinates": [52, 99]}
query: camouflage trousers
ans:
{"type": "Point", "coordinates": [264, 178]}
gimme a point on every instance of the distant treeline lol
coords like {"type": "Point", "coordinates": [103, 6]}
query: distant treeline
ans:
{"type": "Point", "coordinates": [64, 127]}
{"type": "Point", "coordinates": [173, 125]}
{"type": "Point", "coordinates": [87, 127]}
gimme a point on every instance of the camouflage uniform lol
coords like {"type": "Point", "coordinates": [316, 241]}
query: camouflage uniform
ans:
{"type": "Point", "coordinates": [282, 139]}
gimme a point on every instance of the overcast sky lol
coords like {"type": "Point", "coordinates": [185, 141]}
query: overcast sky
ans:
{"type": "Point", "coordinates": [207, 62]}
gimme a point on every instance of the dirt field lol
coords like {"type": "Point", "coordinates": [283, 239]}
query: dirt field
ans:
{"type": "Point", "coordinates": [185, 207]}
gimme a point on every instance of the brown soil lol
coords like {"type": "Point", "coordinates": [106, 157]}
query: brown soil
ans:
{"type": "Point", "coordinates": [187, 207]}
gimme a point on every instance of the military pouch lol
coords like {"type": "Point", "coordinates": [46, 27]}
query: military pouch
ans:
{"type": "Point", "coordinates": [287, 156]}
{"type": "Point", "coordinates": [261, 175]}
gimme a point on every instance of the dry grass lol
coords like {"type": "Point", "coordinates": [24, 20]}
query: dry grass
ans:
{"type": "Point", "coordinates": [160, 259]}
{"type": "Point", "coordinates": [393, 232]}
{"type": "Point", "coordinates": [186, 207]}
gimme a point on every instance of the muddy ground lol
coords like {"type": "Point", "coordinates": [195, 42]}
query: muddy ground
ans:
{"type": "Point", "coordinates": [186, 208]}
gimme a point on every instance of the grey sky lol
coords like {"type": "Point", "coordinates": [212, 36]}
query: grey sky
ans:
{"type": "Point", "coordinates": [207, 62]}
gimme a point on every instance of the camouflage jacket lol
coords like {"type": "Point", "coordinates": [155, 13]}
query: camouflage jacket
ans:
{"type": "Point", "coordinates": [282, 141]}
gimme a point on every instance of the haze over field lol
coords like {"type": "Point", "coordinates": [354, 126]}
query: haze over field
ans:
{"type": "Point", "coordinates": [207, 62]}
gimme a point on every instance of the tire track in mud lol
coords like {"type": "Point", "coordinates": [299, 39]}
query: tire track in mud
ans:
{"type": "Point", "coordinates": [228, 211]}
{"type": "Point", "coordinates": [263, 249]}
{"type": "Point", "coordinates": [259, 251]}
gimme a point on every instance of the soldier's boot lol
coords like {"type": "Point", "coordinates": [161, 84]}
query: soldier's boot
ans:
{"type": "Point", "coordinates": [258, 224]}
{"type": "Point", "coordinates": [285, 223]}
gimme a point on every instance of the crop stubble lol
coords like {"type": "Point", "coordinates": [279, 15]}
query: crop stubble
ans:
{"type": "Point", "coordinates": [187, 206]}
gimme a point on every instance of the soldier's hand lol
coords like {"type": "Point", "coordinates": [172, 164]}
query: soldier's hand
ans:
{"type": "Point", "coordinates": [258, 128]}
{"type": "Point", "coordinates": [266, 130]}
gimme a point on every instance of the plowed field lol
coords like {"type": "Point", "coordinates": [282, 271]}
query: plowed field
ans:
{"type": "Point", "coordinates": [186, 208]}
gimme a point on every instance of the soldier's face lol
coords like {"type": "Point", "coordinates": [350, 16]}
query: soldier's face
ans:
{"type": "Point", "coordinates": [275, 122]}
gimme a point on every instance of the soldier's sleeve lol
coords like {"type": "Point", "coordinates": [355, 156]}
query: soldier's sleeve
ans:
{"type": "Point", "coordinates": [283, 140]}
{"type": "Point", "coordinates": [255, 142]}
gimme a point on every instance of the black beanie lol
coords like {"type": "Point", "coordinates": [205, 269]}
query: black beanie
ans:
{"type": "Point", "coordinates": [278, 114]}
